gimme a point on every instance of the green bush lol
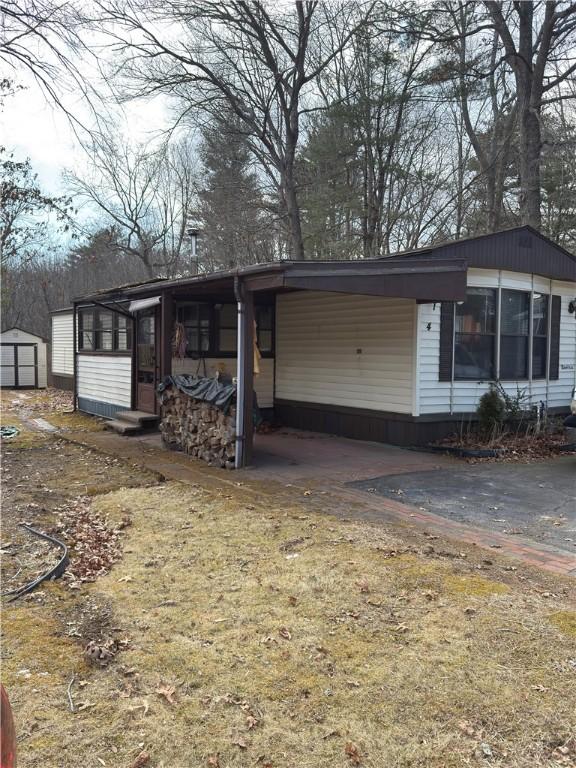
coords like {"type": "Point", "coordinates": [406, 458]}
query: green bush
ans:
{"type": "Point", "coordinates": [491, 411]}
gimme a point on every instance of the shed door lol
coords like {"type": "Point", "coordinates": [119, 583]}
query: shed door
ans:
{"type": "Point", "coordinates": [19, 365]}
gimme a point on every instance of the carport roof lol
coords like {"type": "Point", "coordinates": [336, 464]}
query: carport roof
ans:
{"type": "Point", "coordinates": [423, 278]}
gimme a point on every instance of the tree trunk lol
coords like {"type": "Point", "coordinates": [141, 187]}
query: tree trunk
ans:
{"type": "Point", "coordinates": [293, 211]}
{"type": "Point", "coordinates": [530, 156]}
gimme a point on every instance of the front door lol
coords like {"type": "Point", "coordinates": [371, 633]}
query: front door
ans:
{"type": "Point", "coordinates": [146, 360]}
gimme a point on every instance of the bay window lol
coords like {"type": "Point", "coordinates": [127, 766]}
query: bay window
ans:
{"type": "Point", "coordinates": [501, 334]}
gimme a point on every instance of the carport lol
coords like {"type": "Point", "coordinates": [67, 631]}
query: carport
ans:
{"type": "Point", "coordinates": [155, 307]}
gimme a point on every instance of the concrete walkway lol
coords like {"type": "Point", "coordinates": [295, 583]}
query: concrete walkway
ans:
{"type": "Point", "coordinates": [336, 476]}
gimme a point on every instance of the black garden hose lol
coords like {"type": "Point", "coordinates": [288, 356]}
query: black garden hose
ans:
{"type": "Point", "coordinates": [54, 573]}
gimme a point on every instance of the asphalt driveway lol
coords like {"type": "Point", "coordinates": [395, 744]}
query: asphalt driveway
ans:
{"type": "Point", "coordinates": [535, 501]}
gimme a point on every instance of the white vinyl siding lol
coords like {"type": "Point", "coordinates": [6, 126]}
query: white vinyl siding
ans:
{"type": "Point", "coordinates": [26, 358]}
{"type": "Point", "coordinates": [462, 396]}
{"type": "Point", "coordinates": [348, 350]}
{"type": "Point", "coordinates": [263, 382]}
{"type": "Point", "coordinates": [63, 344]}
{"type": "Point", "coordinates": [105, 379]}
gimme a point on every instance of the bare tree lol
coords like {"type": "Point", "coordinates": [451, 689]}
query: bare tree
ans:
{"type": "Point", "coordinates": [44, 38]}
{"type": "Point", "coordinates": [535, 41]}
{"type": "Point", "coordinates": [258, 60]}
{"type": "Point", "coordinates": [532, 43]}
{"type": "Point", "coordinates": [147, 193]}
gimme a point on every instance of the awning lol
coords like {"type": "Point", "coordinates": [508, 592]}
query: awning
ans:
{"type": "Point", "coordinates": [140, 304]}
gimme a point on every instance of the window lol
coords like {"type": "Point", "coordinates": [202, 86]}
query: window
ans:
{"type": "Point", "coordinates": [227, 327]}
{"type": "Point", "coordinates": [102, 330]}
{"type": "Point", "coordinates": [539, 335]}
{"type": "Point", "coordinates": [523, 327]}
{"type": "Point", "coordinates": [475, 335]}
{"type": "Point", "coordinates": [265, 329]}
{"type": "Point", "coordinates": [86, 329]}
{"type": "Point", "coordinates": [196, 321]}
{"type": "Point", "coordinates": [122, 339]}
{"type": "Point", "coordinates": [514, 334]}
{"type": "Point", "coordinates": [212, 329]}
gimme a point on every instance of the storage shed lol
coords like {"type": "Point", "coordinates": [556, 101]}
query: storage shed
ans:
{"type": "Point", "coordinates": [62, 339]}
{"type": "Point", "coordinates": [23, 357]}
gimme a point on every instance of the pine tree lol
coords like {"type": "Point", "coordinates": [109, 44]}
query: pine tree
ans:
{"type": "Point", "coordinates": [236, 228]}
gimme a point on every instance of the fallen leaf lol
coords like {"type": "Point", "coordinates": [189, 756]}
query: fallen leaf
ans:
{"type": "Point", "coordinates": [353, 753]}
{"type": "Point", "coordinates": [167, 691]}
{"type": "Point", "coordinates": [292, 600]}
{"type": "Point", "coordinates": [240, 743]}
{"type": "Point", "coordinates": [285, 633]}
{"type": "Point", "coordinates": [142, 760]}
{"type": "Point", "coordinates": [214, 761]}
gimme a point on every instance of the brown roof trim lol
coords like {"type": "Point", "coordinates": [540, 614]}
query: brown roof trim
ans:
{"type": "Point", "coordinates": [519, 249]}
{"type": "Point", "coordinates": [422, 279]}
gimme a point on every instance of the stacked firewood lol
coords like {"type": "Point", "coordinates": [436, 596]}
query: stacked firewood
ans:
{"type": "Point", "coordinates": [198, 428]}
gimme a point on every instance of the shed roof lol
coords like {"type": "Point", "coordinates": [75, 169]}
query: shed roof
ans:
{"type": "Point", "coordinates": [23, 330]}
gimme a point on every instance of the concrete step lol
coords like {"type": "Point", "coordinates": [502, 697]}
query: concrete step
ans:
{"type": "Point", "coordinates": [123, 427]}
{"type": "Point", "coordinates": [137, 417]}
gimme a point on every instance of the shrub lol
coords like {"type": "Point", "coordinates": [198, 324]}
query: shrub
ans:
{"type": "Point", "coordinates": [491, 410]}
{"type": "Point", "coordinates": [515, 406]}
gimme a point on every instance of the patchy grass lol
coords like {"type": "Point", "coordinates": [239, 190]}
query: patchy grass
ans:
{"type": "Point", "coordinates": [76, 421]}
{"type": "Point", "coordinates": [290, 638]}
{"type": "Point", "coordinates": [565, 621]}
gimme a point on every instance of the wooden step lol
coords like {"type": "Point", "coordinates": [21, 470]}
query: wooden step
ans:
{"type": "Point", "coordinates": [123, 427]}
{"type": "Point", "coordinates": [137, 417]}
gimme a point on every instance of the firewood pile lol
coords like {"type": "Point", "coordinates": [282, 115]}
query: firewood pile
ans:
{"type": "Point", "coordinates": [198, 428]}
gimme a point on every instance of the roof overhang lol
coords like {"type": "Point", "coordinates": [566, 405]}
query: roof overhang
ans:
{"type": "Point", "coordinates": [423, 279]}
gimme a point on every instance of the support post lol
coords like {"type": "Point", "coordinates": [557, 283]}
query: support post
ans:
{"type": "Point", "coordinates": [244, 375]}
{"type": "Point", "coordinates": [166, 330]}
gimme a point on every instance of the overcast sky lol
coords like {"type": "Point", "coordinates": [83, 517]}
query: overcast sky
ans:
{"type": "Point", "coordinates": [32, 127]}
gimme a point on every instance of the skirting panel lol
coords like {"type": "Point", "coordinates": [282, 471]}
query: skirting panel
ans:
{"type": "Point", "coordinates": [62, 381]}
{"type": "Point", "coordinates": [97, 408]}
{"type": "Point", "coordinates": [378, 426]}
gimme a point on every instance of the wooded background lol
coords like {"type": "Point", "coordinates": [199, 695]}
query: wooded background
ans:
{"type": "Point", "coordinates": [302, 130]}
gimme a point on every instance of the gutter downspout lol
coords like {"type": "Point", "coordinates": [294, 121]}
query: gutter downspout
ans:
{"type": "Point", "coordinates": [240, 384]}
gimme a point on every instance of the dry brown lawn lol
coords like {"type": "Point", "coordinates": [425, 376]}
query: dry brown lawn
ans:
{"type": "Point", "coordinates": [253, 632]}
